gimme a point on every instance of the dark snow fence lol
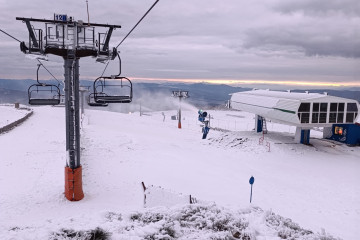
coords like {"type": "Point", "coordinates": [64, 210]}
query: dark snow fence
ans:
{"type": "Point", "coordinates": [17, 122]}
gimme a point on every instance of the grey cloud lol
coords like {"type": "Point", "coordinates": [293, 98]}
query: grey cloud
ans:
{"type": "Point", "coordinates": [311, 41]}
{"type": "Point", "coordinates": [321, 7]}
{"type": "Point", "coordinates": [259, 39]}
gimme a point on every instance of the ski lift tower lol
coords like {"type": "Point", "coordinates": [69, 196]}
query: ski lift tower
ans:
{"type": "Point", "coordinates": [71, 40]}
{"type": "Point", "coordinates": [180, 94]}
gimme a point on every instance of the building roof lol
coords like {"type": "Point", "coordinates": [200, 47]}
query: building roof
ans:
{"type": "Point", "coordinates": [285, 95]}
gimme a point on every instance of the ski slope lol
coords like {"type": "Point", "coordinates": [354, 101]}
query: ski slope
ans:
{"type": "Point", "coordinates": [315, 186]}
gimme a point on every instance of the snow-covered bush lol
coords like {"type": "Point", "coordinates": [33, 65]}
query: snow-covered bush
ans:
{"type": "Point", "coordinates": [190, 222]}
{"type": "Point", "coordinates": [287, 229]}
{"type": "Point", "coordinates": [67, 234]}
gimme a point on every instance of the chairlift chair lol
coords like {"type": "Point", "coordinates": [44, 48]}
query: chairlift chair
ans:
{"type": "Point", "coordinates": [91, 102]}
{"type": "Point", "coordinates": [42, 93]}
{"type": "Point", "coordinates": [104, 91]}
{"type": "Point", "coordinates": [113, 89]}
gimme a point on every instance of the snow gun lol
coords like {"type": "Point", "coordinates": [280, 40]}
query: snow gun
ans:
{"type": "Point", "coordinates": [202, 115]}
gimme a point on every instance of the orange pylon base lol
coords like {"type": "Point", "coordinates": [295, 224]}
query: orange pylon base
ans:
{"type": "Point", "coordinates": [73, 184]}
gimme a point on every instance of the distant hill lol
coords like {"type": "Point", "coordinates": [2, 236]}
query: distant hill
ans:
{"type": "Point", "coordinates": [12, 96]}
{"type": "Point", "coordinates": [20, 85]}
{"type": "Point", "coordinates": [202, 95]}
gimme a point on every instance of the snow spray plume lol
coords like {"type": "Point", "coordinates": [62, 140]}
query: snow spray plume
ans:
{"type": "Point", "coordinates": [151, 101]}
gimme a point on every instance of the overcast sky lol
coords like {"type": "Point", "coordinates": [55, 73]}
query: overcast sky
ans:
{"type": "Point", "coordinates": [289, 41]}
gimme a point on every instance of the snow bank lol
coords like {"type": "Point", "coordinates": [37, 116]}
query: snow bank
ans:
{"type": "Point", "coordinates": [158, 196]}
{"type": "Point", "coordinates": [9, 114]}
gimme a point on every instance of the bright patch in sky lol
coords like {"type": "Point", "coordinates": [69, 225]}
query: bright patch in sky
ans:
{"type": "Point", "coordinates": [271, 82]}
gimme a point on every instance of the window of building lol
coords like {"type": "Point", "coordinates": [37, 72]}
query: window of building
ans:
{"type": "Point", "coordinates": [323, 112]}
{"type": "Point", "coordinates": [304, 112]}
{"type": "Point", "coordinates": [315, 117]}
{"type": "Point", "coordinates": [316, 107]}
{"type": "Point", "coordinates": [336, 113]}
{"type": "Point", "coordinates": [333, 112]}
{"type": "Point", "coordinates": [323, 107]}
{"type": "Point", "coordinates": [332, 117]}
{"type": "Point", "coordinates": [340, 116]}
{"type": "Point", "coordinates": [319, 113]}
{"type": "Point", "coordinates": [341, 107]}
{"type": "Point", "coordinates": [315, 114]}
{"type": "Point", "coordinates": [352, 112]}
{"type": "Point", "coordinates": [304, 107]}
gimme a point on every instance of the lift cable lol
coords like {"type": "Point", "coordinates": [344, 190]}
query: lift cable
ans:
{"type": "Point", "coordinates": [137, 23]}
{"type": "Point", "coordinates": [131, 31]}
{"type": "Point", "coordinates": [10, 36]}
{"type": "Point", "coordinates": [36, 59]}
{"type": "Point", "coordinates": [107, 64]}
{"type": "Point", "coordinates": [50, 72]}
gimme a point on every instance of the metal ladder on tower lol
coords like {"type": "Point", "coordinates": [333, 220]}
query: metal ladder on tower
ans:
{"type": "Point", "coordinates": [264, 127]}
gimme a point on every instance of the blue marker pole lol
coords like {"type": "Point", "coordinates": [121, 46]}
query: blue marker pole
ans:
{"type": "Point", "coordinates": [251, 181]}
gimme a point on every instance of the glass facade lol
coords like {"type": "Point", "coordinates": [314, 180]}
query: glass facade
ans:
{"type": "Point", "coordinates": [320, 112]}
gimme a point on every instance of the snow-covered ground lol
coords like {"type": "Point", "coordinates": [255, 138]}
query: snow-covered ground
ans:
{"type": "Point", "coordinates": [9, 114]}
{"type": "Point", "coordinates": [315, 186]}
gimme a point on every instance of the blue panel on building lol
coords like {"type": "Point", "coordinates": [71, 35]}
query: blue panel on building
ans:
{"type": "Point", "coordinates": [305, 136]}
{"type": "Point", "coordinates": [346, 133]}
{"type": "Point", "coordinates": [259, 124]}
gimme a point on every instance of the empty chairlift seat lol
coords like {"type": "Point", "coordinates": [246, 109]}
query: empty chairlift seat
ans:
{"type": "Point", "coordinates": [112, 90]}
{"type": "Point", "coordinates": [44, 94]}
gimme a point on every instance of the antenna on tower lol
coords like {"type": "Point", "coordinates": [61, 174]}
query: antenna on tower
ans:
{"type": "Point", "coordinates": [87, 7]}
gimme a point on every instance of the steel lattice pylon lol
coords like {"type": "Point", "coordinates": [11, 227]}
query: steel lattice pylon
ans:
{"type": "Point", "coordinates": [71, 40]}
